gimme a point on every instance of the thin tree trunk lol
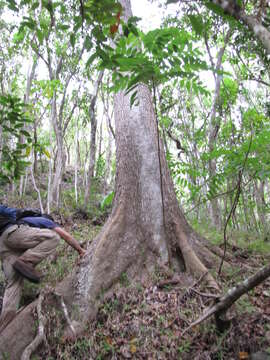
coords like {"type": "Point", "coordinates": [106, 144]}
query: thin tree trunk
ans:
{"type": "Point", "coordinates": [49, 192]}
{"type": "Point", "coordinates": [247, 221]}
{"type": "Point", "coordinates": [58, 164]}
{"type": "Point", "coordinates": [213, 131]}
{"type": "Point", "coordinates": [76, 162]}
{"type": "Point", "coordinates": [92, 157]}
{"type": "Point", "coordinates": [35, 165]}
{"type": "Point", "coordinates": [100, 138]}
{"type": "Point", "coordinates": [29, 81]}
{"type": "Point", "coordinates": [36, 189]}
{"type": "Point", "coordinates": [25, 181]}
{"type": "Point", "coordinates": [260, 202]}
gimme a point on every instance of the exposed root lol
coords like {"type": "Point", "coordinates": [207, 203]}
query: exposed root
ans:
{"type": "Point", "coordinates": [65, 311]}
{"type": "Point", "coordinates": [193, 264]}
{"type": "Point", "coordinates": [42, 321]}
{"type": "Point", "coordinates": [41, 337]}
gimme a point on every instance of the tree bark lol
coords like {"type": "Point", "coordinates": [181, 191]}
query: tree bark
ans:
{"type": "Point", "coordinates": [107, 175]}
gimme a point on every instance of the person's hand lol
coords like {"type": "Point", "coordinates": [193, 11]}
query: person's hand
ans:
{"type": "Point", "coordinates": [82, 253]}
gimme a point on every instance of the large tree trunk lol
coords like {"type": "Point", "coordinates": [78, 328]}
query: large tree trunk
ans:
{"type": "Point", "coordinates": [146, 228]}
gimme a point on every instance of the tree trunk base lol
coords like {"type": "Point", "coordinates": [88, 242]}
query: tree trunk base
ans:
{"type": "Point", "coordinates": [141, 264]}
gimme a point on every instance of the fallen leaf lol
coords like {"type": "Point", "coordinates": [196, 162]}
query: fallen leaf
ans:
{"type": "Point", "coordinates": [243, 355]}
{"type": "Point", "coordinates": [133, 348]}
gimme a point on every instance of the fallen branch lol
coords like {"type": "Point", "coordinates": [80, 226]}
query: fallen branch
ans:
{"type": "Point", "coordinates": [226, 301]}
{"type": "Point", "coordinates": [28, 351]}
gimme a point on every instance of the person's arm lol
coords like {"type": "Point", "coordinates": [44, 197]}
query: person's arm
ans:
{"type": "Point", "coordinates": [70, 240]}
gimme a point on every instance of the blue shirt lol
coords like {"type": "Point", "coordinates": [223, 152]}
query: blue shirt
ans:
{"type": "Point", "coordinates": [8, 211]}
{"type": "Point", "coordinates": [39, 222]}
{"type": "Point", "coordinates": [34, 221]}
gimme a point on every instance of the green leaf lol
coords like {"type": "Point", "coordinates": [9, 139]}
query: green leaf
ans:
{"type": "Point", "coordinates": [19, 125]}
{"type": "Point", "coordinates": [91, 59]}
{"type": "Point", "coordinates": [72, 40]}
{"type": "Point", "coordinates": [107, 201]}
{"type": "Point", "coordinates": [46, 152]}
{"type": "Point", "coordinates": [12, 5]}
{"type": "Point", "coordinates": [29, 22]}
{"type": "Point", "coordinates": [25, 133]}
{"type": "Point", "coordinates": [63, 27]}
{"type": "Point", "coordinates": [133, 29]}
{"type": "Point", "coordinates": [40, 36]}
{"type": "Point", "coordinates": [133, 98]}
{"type": "Point", "coordinates": [197, 23]}
{"type": "Point", "coordinates": [133, 20]}
{"type": "Point", "coordinates": [35, 5]}
{"type": "Point", "coordinates": [28, 151]}
{"type": "Point", "coordinates": [98, 34]}
{"type": "Point", "coordinates": [78, 23]}
{"type": "Point", "coordinates": [88, 43]}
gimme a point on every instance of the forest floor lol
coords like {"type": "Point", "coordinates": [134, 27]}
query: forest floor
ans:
{"type": "Point", "coordinates": [147, 322]}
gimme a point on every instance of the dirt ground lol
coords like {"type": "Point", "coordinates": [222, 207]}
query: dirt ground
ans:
{"type": "Point", "coordinates": [147, 321]}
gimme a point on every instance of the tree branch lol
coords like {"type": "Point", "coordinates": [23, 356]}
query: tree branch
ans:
{"type": "Point", "coordinates": [226, 301]}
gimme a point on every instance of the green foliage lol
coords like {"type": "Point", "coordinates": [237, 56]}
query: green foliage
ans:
{"type": "Point", "coordinates": [14, 151]}
{"type": "Point", "coordinates": [228, 92]}
{"type": "Point", "coordinates": [197, 23]}
{"type": "Point", "coordinates": [100, 167]}
{"type": "Point", "coordinates": [107, 201]}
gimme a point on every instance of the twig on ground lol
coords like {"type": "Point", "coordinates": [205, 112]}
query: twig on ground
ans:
{"type": "Point", "coordinates": [209, 295]}
{"type": "Point", "coordinates": [197, 282]}
{"type": "Point", "coordinates": [227, 300]}
{"type": "Point", "coordinates": [168, 282]}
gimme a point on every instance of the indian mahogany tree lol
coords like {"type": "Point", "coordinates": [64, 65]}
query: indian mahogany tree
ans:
{"type": "Point", "coordinates": [146, 228]}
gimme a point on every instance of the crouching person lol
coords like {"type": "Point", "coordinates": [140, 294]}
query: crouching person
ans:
{"type": "Point", "coordinates": [24, 243]}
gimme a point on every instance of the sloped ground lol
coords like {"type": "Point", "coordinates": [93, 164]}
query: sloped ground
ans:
{"type": "Point", "coordinates": [147, 322]}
